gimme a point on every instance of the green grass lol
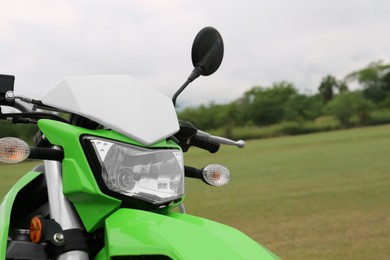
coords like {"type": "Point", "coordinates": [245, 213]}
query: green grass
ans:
{"type": "Point", "coordinates": [11, 173]}
{"type": "Point", "coordinates": [316, 196]}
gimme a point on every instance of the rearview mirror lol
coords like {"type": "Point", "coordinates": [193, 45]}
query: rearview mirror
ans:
{"type": "Point", "coordinates": [207, 55]}
{"type": "Point", "coordinates": [207, 51]}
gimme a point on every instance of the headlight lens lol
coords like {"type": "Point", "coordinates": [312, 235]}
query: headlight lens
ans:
{"type": "Point", "coordinates": [155, 176]}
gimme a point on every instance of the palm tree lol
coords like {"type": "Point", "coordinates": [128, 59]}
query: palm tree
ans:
{"type": "Point", "coordinates": [328, 85]}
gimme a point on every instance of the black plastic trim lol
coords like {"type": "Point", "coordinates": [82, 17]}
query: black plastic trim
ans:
{"type": "Point", "coordinates": [25, 250]}
{"type": "Point", "coordinates": [6, 84]}
{"type": "Point", "coordinates": [31, 197]}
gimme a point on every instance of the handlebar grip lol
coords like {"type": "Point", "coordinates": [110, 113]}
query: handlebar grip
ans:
{"type": "Point", "coordinates": [46, 154]}
{"type": "Point", "coordinates": [205, 144]}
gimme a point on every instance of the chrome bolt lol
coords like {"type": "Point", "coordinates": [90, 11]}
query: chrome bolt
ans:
{"type": "Point", "coordinates": [59, 238]}
{"type": "Point", "coordinates": [9, 96]}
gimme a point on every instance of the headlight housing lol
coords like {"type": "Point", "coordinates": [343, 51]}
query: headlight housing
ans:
{"type": "Point", "coordinates": [152, 175]}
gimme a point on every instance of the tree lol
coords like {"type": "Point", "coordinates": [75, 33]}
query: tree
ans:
{"type": "Point", "coordinates": [22, 131]}
{"type": "Point", "coordinates": [302, 107]}
{"type": "Point", "coordinates": [375, 79]}
{"type": "Point", "coordinates": [328, 86]}
{"type": "Point", "coordinates": [348, 104]}
{"type": "Point", "coordinates": [213, 116]}
{"type": "Point", "coordinates": [265, 106]}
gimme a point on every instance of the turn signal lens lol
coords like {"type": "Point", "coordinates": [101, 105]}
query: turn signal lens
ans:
{"type": "Point", "coordinates": [36, 228]}
{"type": "Point", "coordinates": [13, 150]}
{"type": "Point", "coordinates": [216, 175]}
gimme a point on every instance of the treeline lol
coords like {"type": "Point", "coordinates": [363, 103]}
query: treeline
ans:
{"type": "Point", "coordinates": [23, 131]}
{"type": "Point", "coordinates": [266, 111]}
{"type": "Point", "coordinates": [281, 110]}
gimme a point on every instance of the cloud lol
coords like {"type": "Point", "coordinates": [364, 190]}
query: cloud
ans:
{"type": "Point", "coordinates": [265, 41]}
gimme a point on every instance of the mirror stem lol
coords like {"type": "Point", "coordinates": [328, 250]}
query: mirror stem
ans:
{"type": "Point", "coordinates": [179, 91]}
{"type": "Point", "coordinates": [194, 74]}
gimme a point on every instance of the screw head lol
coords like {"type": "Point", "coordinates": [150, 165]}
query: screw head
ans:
{"type": "Point", "coordinates": [59, 238]}
{"type": "Point", "coordinates": [9, 96]}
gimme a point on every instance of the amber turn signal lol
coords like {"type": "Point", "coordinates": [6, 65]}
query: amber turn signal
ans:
{"type": "Point", "coordinates": [13, 150]}
{"type": "Point", "coordinates": [36, 229]}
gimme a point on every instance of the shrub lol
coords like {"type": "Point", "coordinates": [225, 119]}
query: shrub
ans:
{"type": "Point", "coordinates": [349, 104]}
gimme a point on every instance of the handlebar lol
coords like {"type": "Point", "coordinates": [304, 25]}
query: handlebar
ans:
{"type": "Point", "coordinates": [212, 143]}
{"type": "Point", "coordinates": [189, 136]}
{"type": "Point", "coordinates": [46, 154]}
{"type": "Point", "coordinates": [205, 144]}
{"type": "Point", "coordinates": [219, 140]}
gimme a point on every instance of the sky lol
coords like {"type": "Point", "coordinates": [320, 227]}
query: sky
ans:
{"type": "Point", "coordinates": [266, 41]}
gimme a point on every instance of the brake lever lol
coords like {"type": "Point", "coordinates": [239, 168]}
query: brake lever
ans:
{"type": "Point", "coordinates": [220, 140]}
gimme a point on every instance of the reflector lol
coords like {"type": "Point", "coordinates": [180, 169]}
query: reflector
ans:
{"type": "Point", "coordinates": [13, 150]}
{"type": "Point", "coordinates": [36, 229]}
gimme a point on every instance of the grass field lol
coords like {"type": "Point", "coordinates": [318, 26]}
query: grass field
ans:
{"type": "Point", "coordinates": [317, 196]}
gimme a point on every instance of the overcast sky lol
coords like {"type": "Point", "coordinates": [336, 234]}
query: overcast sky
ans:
{"type": "Point", "coordinates": [265, 41]}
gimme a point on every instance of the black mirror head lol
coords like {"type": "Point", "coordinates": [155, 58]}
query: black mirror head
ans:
{"type": "Point", "coordinates": [207, 51]}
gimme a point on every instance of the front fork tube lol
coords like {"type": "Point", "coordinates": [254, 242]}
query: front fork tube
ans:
{"type": "Point", "coordinates": [182, 208]}
{"type": "Point", "coordinates": [61, 210]}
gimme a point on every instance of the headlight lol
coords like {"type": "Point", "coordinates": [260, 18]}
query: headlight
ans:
{"type": "Point", "coordinates": [152, 175]}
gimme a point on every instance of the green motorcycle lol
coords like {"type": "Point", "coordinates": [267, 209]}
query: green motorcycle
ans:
{"type": "Point", "coordinates": [113, 173]}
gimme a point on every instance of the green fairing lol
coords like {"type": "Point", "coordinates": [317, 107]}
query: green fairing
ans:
{"type": "Point", "coordinates": [79, 183]}
{"type": "Point", "coordinates": [6, 207]}
{"type": "Point", "coordinates": [130, 231]}
{"type": "Point", "coordinates": [179, 236]}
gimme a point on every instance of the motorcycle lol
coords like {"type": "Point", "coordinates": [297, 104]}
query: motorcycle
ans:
{"type": "Point", "coordinates": [113, 173]}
